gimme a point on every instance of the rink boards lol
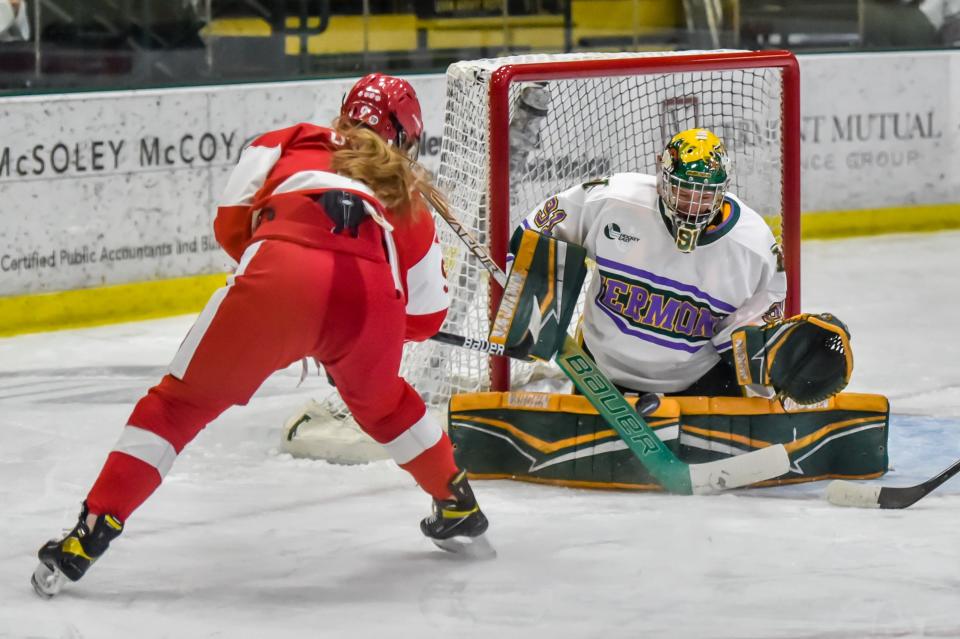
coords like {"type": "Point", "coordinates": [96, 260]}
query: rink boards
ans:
{"type": "Point", "coordinates": [109, 196]}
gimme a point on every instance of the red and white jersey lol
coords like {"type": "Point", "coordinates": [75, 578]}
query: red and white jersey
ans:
{"type": "Point", "coordinates": [656, 318]}
{"type": "Point", "coordinates": [264, 199]}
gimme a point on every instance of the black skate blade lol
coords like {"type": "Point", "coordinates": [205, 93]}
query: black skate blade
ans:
{"type": "Point", "coordinates": [478, 547]}
{"type": "Point", "coordinates": [47, 580]}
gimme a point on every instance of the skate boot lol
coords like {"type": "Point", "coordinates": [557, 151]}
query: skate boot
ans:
{"type": "Point", "coordinates": [71, 556]}
{"type": "Point", "coordinates": [457, 524]}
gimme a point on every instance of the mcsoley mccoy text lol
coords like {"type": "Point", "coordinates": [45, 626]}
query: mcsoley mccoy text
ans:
{"type": "Point", "coordinates": [118, 155]}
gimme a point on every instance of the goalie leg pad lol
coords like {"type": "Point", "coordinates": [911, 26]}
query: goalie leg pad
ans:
{"type": "Point", "coordinates": [845, 436]}
{"type": "Point", "coordinates": [551, 438]}
{"type": "Point", "coordinates": [560, 439]}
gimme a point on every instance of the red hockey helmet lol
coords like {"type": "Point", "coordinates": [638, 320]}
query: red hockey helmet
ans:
{"type": "Point", "coordinates": [389, 106]}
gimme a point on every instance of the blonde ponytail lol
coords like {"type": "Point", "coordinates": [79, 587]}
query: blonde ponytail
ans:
{"type": "Point", "coordinates": [392, 176]}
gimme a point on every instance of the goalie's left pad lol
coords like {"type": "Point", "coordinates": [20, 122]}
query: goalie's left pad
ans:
{"type": "Point", "coordinates": [805, 357]}
{"type": "Point", "coordinates": [540, 296]}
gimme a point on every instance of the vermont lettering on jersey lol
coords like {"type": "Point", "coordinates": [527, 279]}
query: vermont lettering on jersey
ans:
{"type": "Point", "coordinates": [644, 310]}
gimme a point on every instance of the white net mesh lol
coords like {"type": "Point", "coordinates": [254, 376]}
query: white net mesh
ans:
{"type": "Point", "coordinates": [594, 126]}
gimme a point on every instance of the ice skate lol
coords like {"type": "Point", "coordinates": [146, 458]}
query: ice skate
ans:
{"type": "Point", "coordinates": [71, 556]}
{"type": "Point", "coordinates": [458, 525]}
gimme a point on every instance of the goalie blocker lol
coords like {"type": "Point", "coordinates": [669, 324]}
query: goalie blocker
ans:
{"type": "Point", "coordinates": [540, 296]}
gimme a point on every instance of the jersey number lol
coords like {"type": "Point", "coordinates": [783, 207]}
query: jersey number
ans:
{"type": "Point", "coordinates": [549, 216]}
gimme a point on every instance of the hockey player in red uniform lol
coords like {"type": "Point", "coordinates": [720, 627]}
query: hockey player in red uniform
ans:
{"type": "Point", "coordinates": [337, 260]}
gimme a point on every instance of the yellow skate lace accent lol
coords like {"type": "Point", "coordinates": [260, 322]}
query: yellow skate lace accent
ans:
{"type": "Point", "coordinates": [459, 514]}
{"type": "Point", "coordinates": [71, 545]}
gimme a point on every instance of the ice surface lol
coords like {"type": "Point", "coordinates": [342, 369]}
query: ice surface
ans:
{"type": "Point", "coordinates": [241, 541]}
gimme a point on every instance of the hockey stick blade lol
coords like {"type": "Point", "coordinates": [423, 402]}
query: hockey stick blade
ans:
{"type": "Point", "coordinates": [739, 470]}
{"type": "Point", "coordinates": [848, 493]}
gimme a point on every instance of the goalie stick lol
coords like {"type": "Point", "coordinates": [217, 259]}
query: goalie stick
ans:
{"type": "Point", "coordinates": [847, 493]}
{"type": "Point", "coordinates": [673, 475]}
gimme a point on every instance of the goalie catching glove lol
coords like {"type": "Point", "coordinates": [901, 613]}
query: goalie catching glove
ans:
{"type": "Point", "coordinates": [805, 357]}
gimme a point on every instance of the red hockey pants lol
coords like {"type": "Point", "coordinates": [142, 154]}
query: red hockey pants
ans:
{"type": "Point", "coordinates": [285, 302]}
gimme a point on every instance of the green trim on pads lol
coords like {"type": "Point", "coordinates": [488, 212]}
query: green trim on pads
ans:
{"type": "Point", "coordinates": [562, 440]}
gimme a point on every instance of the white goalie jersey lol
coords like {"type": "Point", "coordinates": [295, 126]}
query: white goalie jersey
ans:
{"type": "Point", "coordinates": [655, 318]}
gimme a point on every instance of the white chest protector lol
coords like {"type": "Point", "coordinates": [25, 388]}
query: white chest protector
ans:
{"type": "Point", "coordinates": [655, 318]}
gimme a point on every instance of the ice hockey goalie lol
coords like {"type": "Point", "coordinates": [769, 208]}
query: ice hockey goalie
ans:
{"type": "Point", "coordinates": [779, 382]}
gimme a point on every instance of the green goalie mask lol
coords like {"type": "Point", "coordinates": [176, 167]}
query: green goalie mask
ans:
{"type": "Point", "coordinates": [693, 176]}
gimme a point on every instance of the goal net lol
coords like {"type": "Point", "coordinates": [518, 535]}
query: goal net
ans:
{"type": "Point", "coordinates": [518, 129]}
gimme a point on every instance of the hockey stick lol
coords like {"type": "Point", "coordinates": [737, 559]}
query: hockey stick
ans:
{"type": "Point", "coordinates": [672, 474]}
{"type": "Point", "coordinates": [476, 344]}
{"type": "Point", "coordinates": [847, 493]}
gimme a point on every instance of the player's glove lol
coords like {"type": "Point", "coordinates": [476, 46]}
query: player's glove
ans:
{"type": "Point", "coordinates": [805, 357]}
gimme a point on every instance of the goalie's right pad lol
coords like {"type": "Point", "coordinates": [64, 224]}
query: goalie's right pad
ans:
{"type": "Point", "coordinates": [540, 296]}
{"type": "Point", "coordinates": [805, 357]}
